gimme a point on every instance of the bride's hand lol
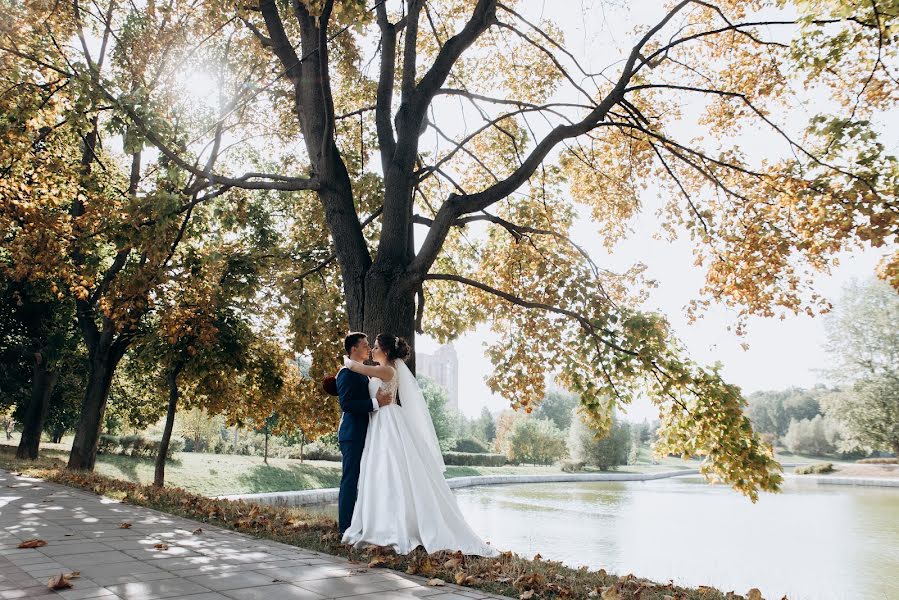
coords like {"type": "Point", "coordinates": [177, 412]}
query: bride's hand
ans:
{"type": "Point", "coordinates": [351, 364]}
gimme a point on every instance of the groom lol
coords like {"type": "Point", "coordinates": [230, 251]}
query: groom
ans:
{"type": "Point", "coordinates": [352, 391]}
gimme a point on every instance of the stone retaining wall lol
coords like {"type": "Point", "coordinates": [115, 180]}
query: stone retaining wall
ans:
{"type": "Point", "coordinates": [329, 495]}
{"type": "Point", "coordinates": [307, 497]}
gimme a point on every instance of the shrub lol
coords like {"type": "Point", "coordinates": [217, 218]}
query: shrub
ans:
{"type": "Point", "coordinates": [572, 466]}
{"type": "Point", "coordinates": [606, 453]}
{"type": "Point", "coordinates": [878, 461]}
{"type": "Point", "coordinates": [470, 445]}
{"type": "Point", "coordinates": [816, 437]}
{"type": "Point", "coordinates": [468, 459]}
{"type": "Point", "coordinates": [815, 469]}
{"type": "Point", "coordinates": [536, 441]}
{"type": "Point", "coordinates": [317, 450]}
{"type": "Point", "coordinates": [109, 444]}
{"type": "Point", "coordinates": [136, 445]}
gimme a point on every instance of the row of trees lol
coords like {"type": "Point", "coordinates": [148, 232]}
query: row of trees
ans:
{"type": "Point", "coordinates": [143, 223]}
{"type": "Point", "coordinates": [859, 416]}
{"type": "Point", "coordinates": [552, 432]}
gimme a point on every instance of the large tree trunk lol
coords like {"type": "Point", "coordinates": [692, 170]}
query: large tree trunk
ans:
{"type": "Point", "coordinates": [162, 454]}
{"type": "Point", "coordinates": [93, 408]}
{"type": "Point", "coordinates": [42, 384]}
{"type": "Point", "coordinates": [390, 306]}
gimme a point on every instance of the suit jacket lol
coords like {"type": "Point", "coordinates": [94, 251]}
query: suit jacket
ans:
{"type": "Point", "coordinates": [352, 392]}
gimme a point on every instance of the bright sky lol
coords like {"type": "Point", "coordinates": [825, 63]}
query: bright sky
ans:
{"type": "Point", "coordinates": [780, 354]}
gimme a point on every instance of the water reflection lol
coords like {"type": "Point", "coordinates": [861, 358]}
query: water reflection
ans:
{"type": "Point", "coordinates": [809, 542]}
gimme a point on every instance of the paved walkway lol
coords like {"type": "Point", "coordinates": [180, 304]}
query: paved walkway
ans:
{"type": "Point", "coordinates": [83, 534]}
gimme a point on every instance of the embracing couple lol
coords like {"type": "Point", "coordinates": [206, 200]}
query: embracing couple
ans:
{"type": "Point", "coordinates": [392, 491]}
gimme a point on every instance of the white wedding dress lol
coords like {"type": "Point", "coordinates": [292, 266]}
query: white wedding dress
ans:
{"type": "Point", "coordinates": [403, 500]}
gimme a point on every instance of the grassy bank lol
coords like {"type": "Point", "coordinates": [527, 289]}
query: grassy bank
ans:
{"type": "Point", "coordinates": [221, 474]}
{"type": "Point", "coordinates": [509, 574]}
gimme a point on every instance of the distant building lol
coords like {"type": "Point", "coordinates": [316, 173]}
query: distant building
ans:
{"type": "Point", "coordinates": [443, 368]}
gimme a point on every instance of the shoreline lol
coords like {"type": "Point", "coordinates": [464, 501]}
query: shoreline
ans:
{"type": "Point", "coordinates": [329, 495]}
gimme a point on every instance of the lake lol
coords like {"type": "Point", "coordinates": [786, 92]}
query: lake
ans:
{"type": "Point", "coordinates": [808, 542]}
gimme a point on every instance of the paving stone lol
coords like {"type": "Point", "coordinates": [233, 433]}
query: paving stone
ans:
{"type": "Point", "coordinates": [79, 592]}
{"type": "Point", "coordinates": [28, 592]}
{"type": "Point", "coordinates": [150, 590]}
{"type": "Point", "coordinates": [307, 573]}
{"type": "Point", "coordinates": [233, 581]}
{"type": "Point", "coordinates": [281, 591]}
{"type": "Point", "coordinates": [339, 587]}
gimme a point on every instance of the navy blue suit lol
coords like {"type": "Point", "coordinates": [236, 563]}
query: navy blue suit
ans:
{"type": "Point", "coordinates": [352, 391]}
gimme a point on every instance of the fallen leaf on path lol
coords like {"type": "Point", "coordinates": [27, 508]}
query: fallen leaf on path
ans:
{"type": "Point", "coordinates": [527, 595]}
{"type": "Point", "coordinates": [161, 546]}
{"type": "Point", "coordinates": [436, 582]}
{"type": "Point", "coordinates": [125, 525]}
{"type": "Point", "coordinates": [198, 531]}
{"type": "Point", "coordinates": [376, 562]}
{"type": "Point", "coordinates": [73, 575]}
{"type": "Point", "coordinates": [35, 543]}
{"type": "Point", "coordinates": [427, 568]}
{"type": "Point", "coordinates": [58, 582]}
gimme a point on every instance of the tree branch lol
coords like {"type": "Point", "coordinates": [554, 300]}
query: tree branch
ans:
{"type": "Point", "coordinates": [483, 16]}
{"type": "Point", "coordinates": [581, 319]}
{"type": "Point", "coordinates": [384, 101]}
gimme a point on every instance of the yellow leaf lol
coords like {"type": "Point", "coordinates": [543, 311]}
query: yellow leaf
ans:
{"type": "Point", "coordinates": [610, 593]}
{"type": "Point", "coordinates": [58, 582]}
{"type": "Point", "coordinates": [436, 582]}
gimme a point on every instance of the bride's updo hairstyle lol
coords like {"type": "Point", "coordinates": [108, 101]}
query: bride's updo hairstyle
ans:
{"type": "Point", "coordinates": [396, 348]}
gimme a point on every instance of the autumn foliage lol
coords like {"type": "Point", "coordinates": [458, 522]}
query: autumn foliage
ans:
{"type": "Point", "coordinates": [422, 166]}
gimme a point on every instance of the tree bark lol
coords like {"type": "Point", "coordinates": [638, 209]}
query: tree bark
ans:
{"type": "Point", "coordinates": [162, 454]}
{"type": "Point", "coordinates": [42, 384]}
{"type": "Point", "coordinates": [93, 408]}
{"type": "Point", "coordinates": [265, 453]}
{"type": "Point", "coordinates": [390, 305]}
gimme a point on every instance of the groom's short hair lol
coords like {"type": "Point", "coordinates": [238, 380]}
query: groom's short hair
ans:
{"type": "Point", "coordinates": [351, 340]}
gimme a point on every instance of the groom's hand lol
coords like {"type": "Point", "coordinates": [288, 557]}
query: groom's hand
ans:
{"type": "Point", "coordinates": [383, 398]}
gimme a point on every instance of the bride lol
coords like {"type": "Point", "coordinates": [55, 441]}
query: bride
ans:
{"type": "Point", "coordinates": [403, 500]}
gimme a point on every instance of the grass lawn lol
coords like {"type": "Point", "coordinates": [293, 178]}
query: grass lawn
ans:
{"type": "Point", "coordinates": [217, 474]}
{"type": "Point", "coordinates": [220, 474]}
